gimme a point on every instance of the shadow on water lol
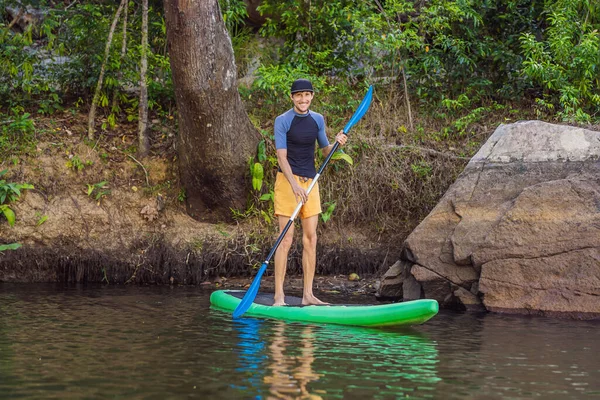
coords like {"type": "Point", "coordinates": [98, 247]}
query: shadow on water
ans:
{"type": "Point", "coordinates": [297, 360]}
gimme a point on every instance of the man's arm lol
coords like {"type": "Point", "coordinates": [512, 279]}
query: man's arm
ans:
{"type": "Point", "coordinates": [341, 138]}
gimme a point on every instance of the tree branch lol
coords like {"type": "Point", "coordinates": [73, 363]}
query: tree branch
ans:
{"type": "Point", "coordinates": [92, 114]}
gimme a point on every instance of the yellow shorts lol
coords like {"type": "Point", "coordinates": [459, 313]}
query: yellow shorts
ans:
{"type": "Point", "coordinates": [285, 201]}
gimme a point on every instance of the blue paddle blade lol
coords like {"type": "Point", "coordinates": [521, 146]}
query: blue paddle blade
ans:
{"type": "Point", "coordinates": [250, 295]}
{"type": "Point", "coordinates": [361, 110]}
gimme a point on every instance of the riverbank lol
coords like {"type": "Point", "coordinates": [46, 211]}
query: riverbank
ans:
{"type": "Point", "coordinates": [97, 213]}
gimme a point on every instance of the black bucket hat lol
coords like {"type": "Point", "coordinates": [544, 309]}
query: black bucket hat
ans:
{"type": "Point", "coordinates": [302, 85]}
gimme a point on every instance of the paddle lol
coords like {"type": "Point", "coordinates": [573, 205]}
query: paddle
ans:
{"type": "Point", "coordinates": [253, 289]}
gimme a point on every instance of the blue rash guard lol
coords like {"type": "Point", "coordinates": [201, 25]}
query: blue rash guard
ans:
{"type": "Point", "coordinates": [298, 133]}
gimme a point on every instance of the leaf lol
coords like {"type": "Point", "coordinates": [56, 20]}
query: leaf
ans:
{"type": "Point", "coordinates": [42, 220]}
{"type": "Point", "coordinates": [326, 216]}
{"type": "Point", "coordinates": [266, 197]}
{"type": "Point", "coordinates": [258, 171]}
{"type": "Point", "coordinates": [9, 214]}
{"type": "Point", "coordinates": [256, 184]}
{"type": "Point", "coordinates": [262, 152]}
{"type": "Point", "coordinates": [12, 246]}
{"type": "Point", "coordinates": [257, 176]}
{"type": "Point", "coordinates": [342, 156]}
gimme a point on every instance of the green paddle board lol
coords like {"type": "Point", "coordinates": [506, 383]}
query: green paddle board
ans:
{"type": "Point", "coordinates": [406, 313]}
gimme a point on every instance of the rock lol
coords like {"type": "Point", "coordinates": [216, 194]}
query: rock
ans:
{"type": "Point", "coordinates": [391, 283]}
{"type": "Point", "coordinates": [562, 284]}
{"type": "Point", "coordinates": [519, 231]}
{"type": "Point", "coordinates": [411, 288]}
{"type": "Point", "coordinates": [470, 301]}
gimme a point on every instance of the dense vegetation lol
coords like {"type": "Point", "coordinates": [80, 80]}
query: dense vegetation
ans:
{"type": "Point", "coordinates": [446, 73]}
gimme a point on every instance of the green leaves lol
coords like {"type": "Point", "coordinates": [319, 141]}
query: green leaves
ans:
{"type": "Point", "coordinates": [339, 155]}
{"type": "Point", "coordinates": [326, 215]}
{"type": "Point", "coordinates": [257, 174]}
{"type": "Point", "coordinates": [12, 246]}
{"type": "Point", "coordinates": [10, 192]}
{"type": "Point", "coordinates": [566, 63]}
{"type": "Point", "coordinates": [98, 191]}
{"type": "Point", "coordinates": [8, 214]}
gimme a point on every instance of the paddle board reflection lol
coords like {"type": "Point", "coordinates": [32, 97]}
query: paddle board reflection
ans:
{"type": "Point", "coordinates": [286, 360]}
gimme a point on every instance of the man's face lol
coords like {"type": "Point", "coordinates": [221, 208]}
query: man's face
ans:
{"type": "Point", "coordinates": [302, 101]}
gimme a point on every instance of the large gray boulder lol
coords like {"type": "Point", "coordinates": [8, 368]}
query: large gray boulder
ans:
{"type": "Point", "coordinates": [519, 231]}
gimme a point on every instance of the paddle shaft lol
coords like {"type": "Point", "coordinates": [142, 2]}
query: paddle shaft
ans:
{"type": "Point", "coordinates": [299, 206]}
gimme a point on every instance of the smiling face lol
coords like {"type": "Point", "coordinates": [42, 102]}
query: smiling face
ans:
{"type": "Point", "coordinates": [302, 101]}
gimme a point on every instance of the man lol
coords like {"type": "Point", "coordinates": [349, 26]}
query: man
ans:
{"type": "Point", "coordinates": [296, 132]}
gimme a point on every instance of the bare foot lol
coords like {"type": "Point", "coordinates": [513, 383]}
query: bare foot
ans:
{"type": "Point", "coordinates": [312, 300]}
{"type": "Point", "coordinates": [277, 302]}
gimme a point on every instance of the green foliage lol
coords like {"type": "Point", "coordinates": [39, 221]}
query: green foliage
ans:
{"type": "Point", "coordinates": [17, 134]}
{"type": "Point", "coordinates": [98, 191]}
{"type": "Point", "coordinates": [41, 220]}
{"type": "Point", "coordinates": [234, 14]}
{"type": "Point", "coordinates": [340, 155]}
{"type": "Point", "coordinates": [487, 51]}
{"type": "Point", "coordinates": [67, 60]}
{"type": "Point", "coordinates": [567, 64]}
{"type": "Point", "coordinates": [421, 169]}
{"type": "Point", "coordinates": [75, 164]}
{"type": "Point", "coordinates": [257, 173]}
{"type": "Point", "coordinates": [11, 246]}
{"type": "Point", "coordinates": [318, 34]}
{"type": "Point", "coordinates": [10, 192]}
{"type": "Point", "coordinates": [181, 196]}
{"type": "Point", "coordinates": [326, 215]}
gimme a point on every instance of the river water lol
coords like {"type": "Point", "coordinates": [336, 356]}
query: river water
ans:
{"type": "Point", "coordinates": [111, 342]}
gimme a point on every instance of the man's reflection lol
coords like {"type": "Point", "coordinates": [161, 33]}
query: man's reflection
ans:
{"type": "Point", "coordinates": [290, 374]}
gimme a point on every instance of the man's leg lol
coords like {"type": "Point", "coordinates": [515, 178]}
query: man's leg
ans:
{"type": "Point", "coordinates": [281, 256]}
{"type": "Point", "coordinates": [309, 258]}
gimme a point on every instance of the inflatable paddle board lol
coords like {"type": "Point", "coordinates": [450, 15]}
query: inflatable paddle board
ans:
{"type": "Point", "coordinates": [406, 313]}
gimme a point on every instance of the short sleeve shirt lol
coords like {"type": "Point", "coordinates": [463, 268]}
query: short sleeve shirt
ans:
{"type": "Point", "coordinates": [298, 133]}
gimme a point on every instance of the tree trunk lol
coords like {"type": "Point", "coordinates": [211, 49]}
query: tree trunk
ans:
{"type": "Point", "coordinates": [216, 137]}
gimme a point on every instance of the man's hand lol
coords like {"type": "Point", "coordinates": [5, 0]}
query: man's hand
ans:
{"type": "Point", "coordinates": [341, 138]}
{"type": "Point", "coordinates": [300, 193]}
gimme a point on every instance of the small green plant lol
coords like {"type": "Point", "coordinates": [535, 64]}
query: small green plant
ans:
{"type": "Point", "coordinates": [41, 218]}
{"type": "Point", "coordinates": [340, 155]}
{"type": "Point", "coordinates": [17, 132]}
{"type": "Point", "coordinates": [421, 169]}
{"type": "Point", "coordinates": [11, 246]}
{"type": "Point", "coordinates": [326, 215]}
{"type": "Point", "coordinates": [181, 196]}
{"type": "Point", "coordinates": [258, 174]}
{"type": "Point", "coordinates": [10, 192]}
{"type": "Point", "coordinates": [98, 191]}
{"type": "Point", "coordinates": [75, 163]}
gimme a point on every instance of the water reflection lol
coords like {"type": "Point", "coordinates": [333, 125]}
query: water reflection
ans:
{"type": "Point", "coordinates": [304, 361]}
{"type": "Point", "coordinates": [252, 355]}
{"type": "Point", "coordinates": [291, 373]}
{"type": "Point", "coordinates": [166, 343]}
